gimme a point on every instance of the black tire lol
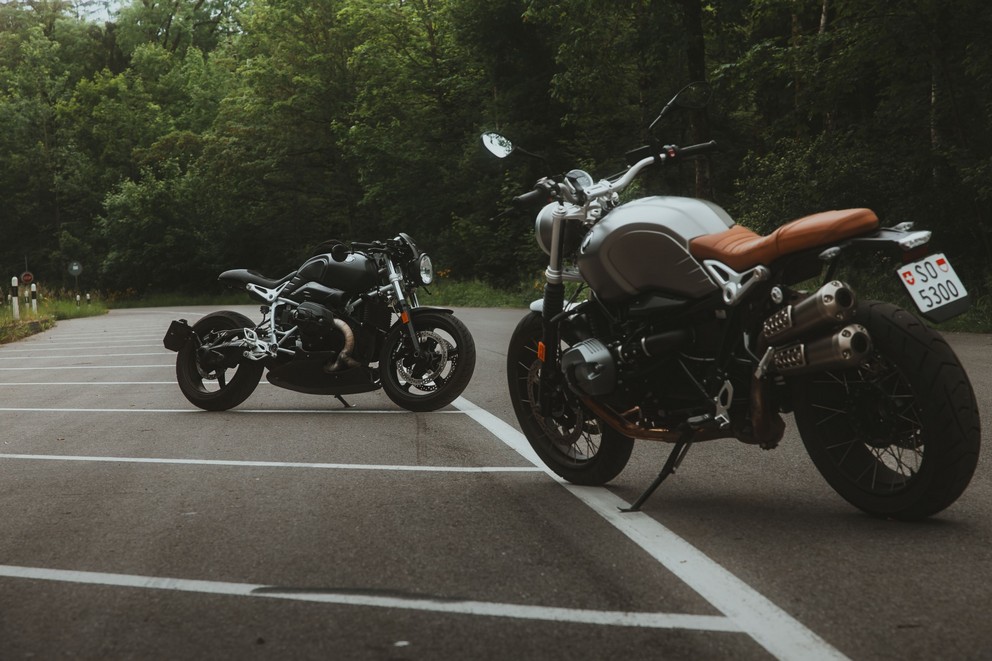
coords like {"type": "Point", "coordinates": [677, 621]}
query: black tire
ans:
{"type": "Point", "coordinates": [216, 388]}
{"type": "Point", "coordinates": [899, 436]}
{"type": "Point", "coordinates": [441, 373]}
{"type": "Point", "coordinates": [575, 445]}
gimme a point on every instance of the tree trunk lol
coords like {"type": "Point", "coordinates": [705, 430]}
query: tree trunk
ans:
{"type": "Point", "coordinates": [692, 20]}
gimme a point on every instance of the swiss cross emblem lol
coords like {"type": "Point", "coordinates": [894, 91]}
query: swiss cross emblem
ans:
{"type": "Point", "coordinates": [908, 277]}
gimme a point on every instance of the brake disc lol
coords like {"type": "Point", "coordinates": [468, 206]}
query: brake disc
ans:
{"type": "Point", "coordinates": [563, 431]}
{"type": "Point", "coordinates": [438, 358]}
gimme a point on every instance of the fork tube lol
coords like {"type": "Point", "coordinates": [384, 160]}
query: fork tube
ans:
{"type": "Point", "coordinates": [396, 279]}
{"type": "Point", "coordinates": [554, 303]}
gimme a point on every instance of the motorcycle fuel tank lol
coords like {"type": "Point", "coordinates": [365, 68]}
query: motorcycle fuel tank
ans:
{"type": "Point", "coordinates": [643, 246]}
{"type": "Point", "coordinates": [356, 274]}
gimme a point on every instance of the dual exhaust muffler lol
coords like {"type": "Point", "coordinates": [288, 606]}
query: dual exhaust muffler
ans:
{"type": "Point", "coordinates": [796, 340]}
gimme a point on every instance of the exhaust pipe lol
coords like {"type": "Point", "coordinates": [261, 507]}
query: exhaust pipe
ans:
{"type": "Point", "coordinates": [848, 347]}
{"type": "Point", "coordinates": [344, 358]}
{"type": "Point", "coordinates": [831, 305]}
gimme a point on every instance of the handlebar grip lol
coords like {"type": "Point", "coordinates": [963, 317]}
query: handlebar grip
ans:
{"type": "Point", "coordinates": [693, 150]}
{"type": "Point", "coordinates": [533, 196]}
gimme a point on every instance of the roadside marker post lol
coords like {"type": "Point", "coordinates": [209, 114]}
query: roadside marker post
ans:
{"type": "Point", "coordinates": [14, 300]}
{"type": "Point", "coordinates": [34, 298]}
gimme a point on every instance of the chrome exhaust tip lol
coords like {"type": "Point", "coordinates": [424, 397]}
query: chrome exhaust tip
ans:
{"type": "Point", "coordinates": [849, 347]}
{"type": "Point", "coordinates": [832, 304]}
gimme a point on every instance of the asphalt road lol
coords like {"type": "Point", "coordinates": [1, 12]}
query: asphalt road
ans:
{"type": "Point", "coordinates": [138, 527]}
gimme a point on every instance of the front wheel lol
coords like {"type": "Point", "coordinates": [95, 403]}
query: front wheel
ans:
{"type": "Point", "coordinates": [439, 374]}
{"type": "Point", "coordinates": [899, 436]}
{"type": "Point", "coordinates": [210, 375]}
{"type": "Point", "coordinates": [571, 441]}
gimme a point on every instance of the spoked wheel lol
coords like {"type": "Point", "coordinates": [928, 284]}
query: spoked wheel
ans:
{"type": "Point", "coordinates": [899, 436]}
{"type": "Point", "coordinates": [572, 441]}
{"type": "Point", "coordinates": [439, 374]}
{"type": "Point", "coordinates": [215, 380]}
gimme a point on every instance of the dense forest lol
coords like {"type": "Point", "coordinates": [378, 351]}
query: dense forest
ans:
{"type": "Point", "coordinates": [159, 142]}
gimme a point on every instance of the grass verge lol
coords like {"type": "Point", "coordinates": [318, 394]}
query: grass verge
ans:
{"type": "Point", "coordinates": [49, 311]}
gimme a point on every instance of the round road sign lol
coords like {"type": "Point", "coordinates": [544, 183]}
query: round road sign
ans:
{"type": "Point", "coordinates": [27, 278]}
{"type": "Point", "coordinates": [75, 268]}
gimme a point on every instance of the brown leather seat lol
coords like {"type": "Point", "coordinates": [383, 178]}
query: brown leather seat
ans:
{"type": "Point", "coordinates": [741, 249]}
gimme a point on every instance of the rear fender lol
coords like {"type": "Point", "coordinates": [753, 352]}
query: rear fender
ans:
{"type": "Point", "coordinates": [901, 237]}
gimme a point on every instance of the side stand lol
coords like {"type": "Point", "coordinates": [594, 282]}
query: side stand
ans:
{"type": "Point", "coordinates": [674, 459]}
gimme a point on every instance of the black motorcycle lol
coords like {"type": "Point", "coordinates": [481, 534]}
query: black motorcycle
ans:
{"type": "Point", "coordinates": [327, 329]}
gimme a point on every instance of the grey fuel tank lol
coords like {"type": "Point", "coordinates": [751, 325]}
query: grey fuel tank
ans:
{"type": "Point", "coordinates": [643, 246]}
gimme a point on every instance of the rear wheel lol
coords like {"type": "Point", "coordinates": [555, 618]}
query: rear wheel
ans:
{"type": "Point", "coordinates": [216, 380]}
{"type": "Point", "coordinates": [572, 441]}
{"type": "Point", "coordinates": [899, 436]}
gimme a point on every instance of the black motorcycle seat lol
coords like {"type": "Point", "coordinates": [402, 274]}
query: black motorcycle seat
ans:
{"type": "Point", "coordinates": [247, 277]}
{"type": "Point", "coordinates": [741, 248]}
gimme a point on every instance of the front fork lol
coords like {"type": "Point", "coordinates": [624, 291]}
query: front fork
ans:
{"type": "Point", "coordinates": [403, 305]}
{"type": "Point", "coordinates": [554, 303]}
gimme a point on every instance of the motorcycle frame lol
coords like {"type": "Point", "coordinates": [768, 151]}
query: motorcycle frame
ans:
{"type": "Point", "coordinates": [270, 343]}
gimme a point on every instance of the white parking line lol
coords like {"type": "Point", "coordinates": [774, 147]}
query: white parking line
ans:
{"type": "Point", "coordinates": [83, 367]}
{"type": "Point", "coordinates": [196, 411]}
{"type": "Point", "coordinates": [19, 384]}
{"type": "Point", "coordinates": [277, 464]}
{"type": "Point", "coordinates": [92, 355]}
{"type": "Point", "coordinates": [766, 623]}
{"type": "Point", "coordinates": [99, 337]}
{"type": "Point", "coordinates": [62, 346]}
{"type": "Point", "coordinates": [356, 598]}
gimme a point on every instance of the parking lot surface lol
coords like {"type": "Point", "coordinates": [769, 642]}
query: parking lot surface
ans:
{"type": "Point", "coordinates": [138, 526]}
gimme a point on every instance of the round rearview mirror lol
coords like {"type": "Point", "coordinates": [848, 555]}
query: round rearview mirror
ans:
{"type": "Point", "coordinates": [497, 144]}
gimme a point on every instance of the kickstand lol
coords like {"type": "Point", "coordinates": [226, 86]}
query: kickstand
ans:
{"type": "Point", "coordinates": [341, 399]}
{"type": "Point", "coordinates": [674, 459]}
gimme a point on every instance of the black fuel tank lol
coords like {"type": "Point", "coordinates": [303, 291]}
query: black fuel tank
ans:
{"type": "Point", "coordinates": [643, 246]}
{"type": "Point", "coordinates": [356, 274]}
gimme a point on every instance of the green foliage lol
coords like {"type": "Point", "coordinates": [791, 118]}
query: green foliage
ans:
{"type": "Point", "coordinates": [182, 138]}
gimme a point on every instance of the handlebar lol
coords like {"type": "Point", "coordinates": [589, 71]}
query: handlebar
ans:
{"type": "Point", "coordinates": [539, 193]}
{"type": "Point", "coordinates": [606, 188]}
{"type": "Point", "coordinates": [695, 150]}
{"type": "Point", "coordinates": [375, 246]}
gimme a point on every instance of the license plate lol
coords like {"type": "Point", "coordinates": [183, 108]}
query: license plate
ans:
{"type": "Point", "coordinates": [935, 287]}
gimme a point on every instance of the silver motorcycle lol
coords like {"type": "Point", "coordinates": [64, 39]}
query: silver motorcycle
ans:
{"type": "Point", "coordinates": [682, 326]}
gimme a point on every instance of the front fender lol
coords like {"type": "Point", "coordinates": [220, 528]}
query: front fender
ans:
{"type": "Point", "coordinates": [414, 312]}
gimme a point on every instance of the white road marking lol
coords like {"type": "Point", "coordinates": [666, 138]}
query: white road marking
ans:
{"type": "Point", "coordinates": [355, 598]}
{"type": "Point", "coordinates": [18, 384]}
{"type": "Point", "coordinates": [196, 411]}
{"type": "Point", "coordinates": [93, 355]}
{"type": "Point", "coordinates": [766, 623]}
{"type": "Point", "coordinates": [276, 464]}
{"type": "Point", "coordinates": [98, 337]}
{"type": "Point", "coordinates": [62, 346]}
{"type": "Point", "coordinates": [82, 367]}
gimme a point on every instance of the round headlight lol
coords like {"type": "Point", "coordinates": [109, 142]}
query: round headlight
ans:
{"type": "Point", "coordinates": [426, 270]}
